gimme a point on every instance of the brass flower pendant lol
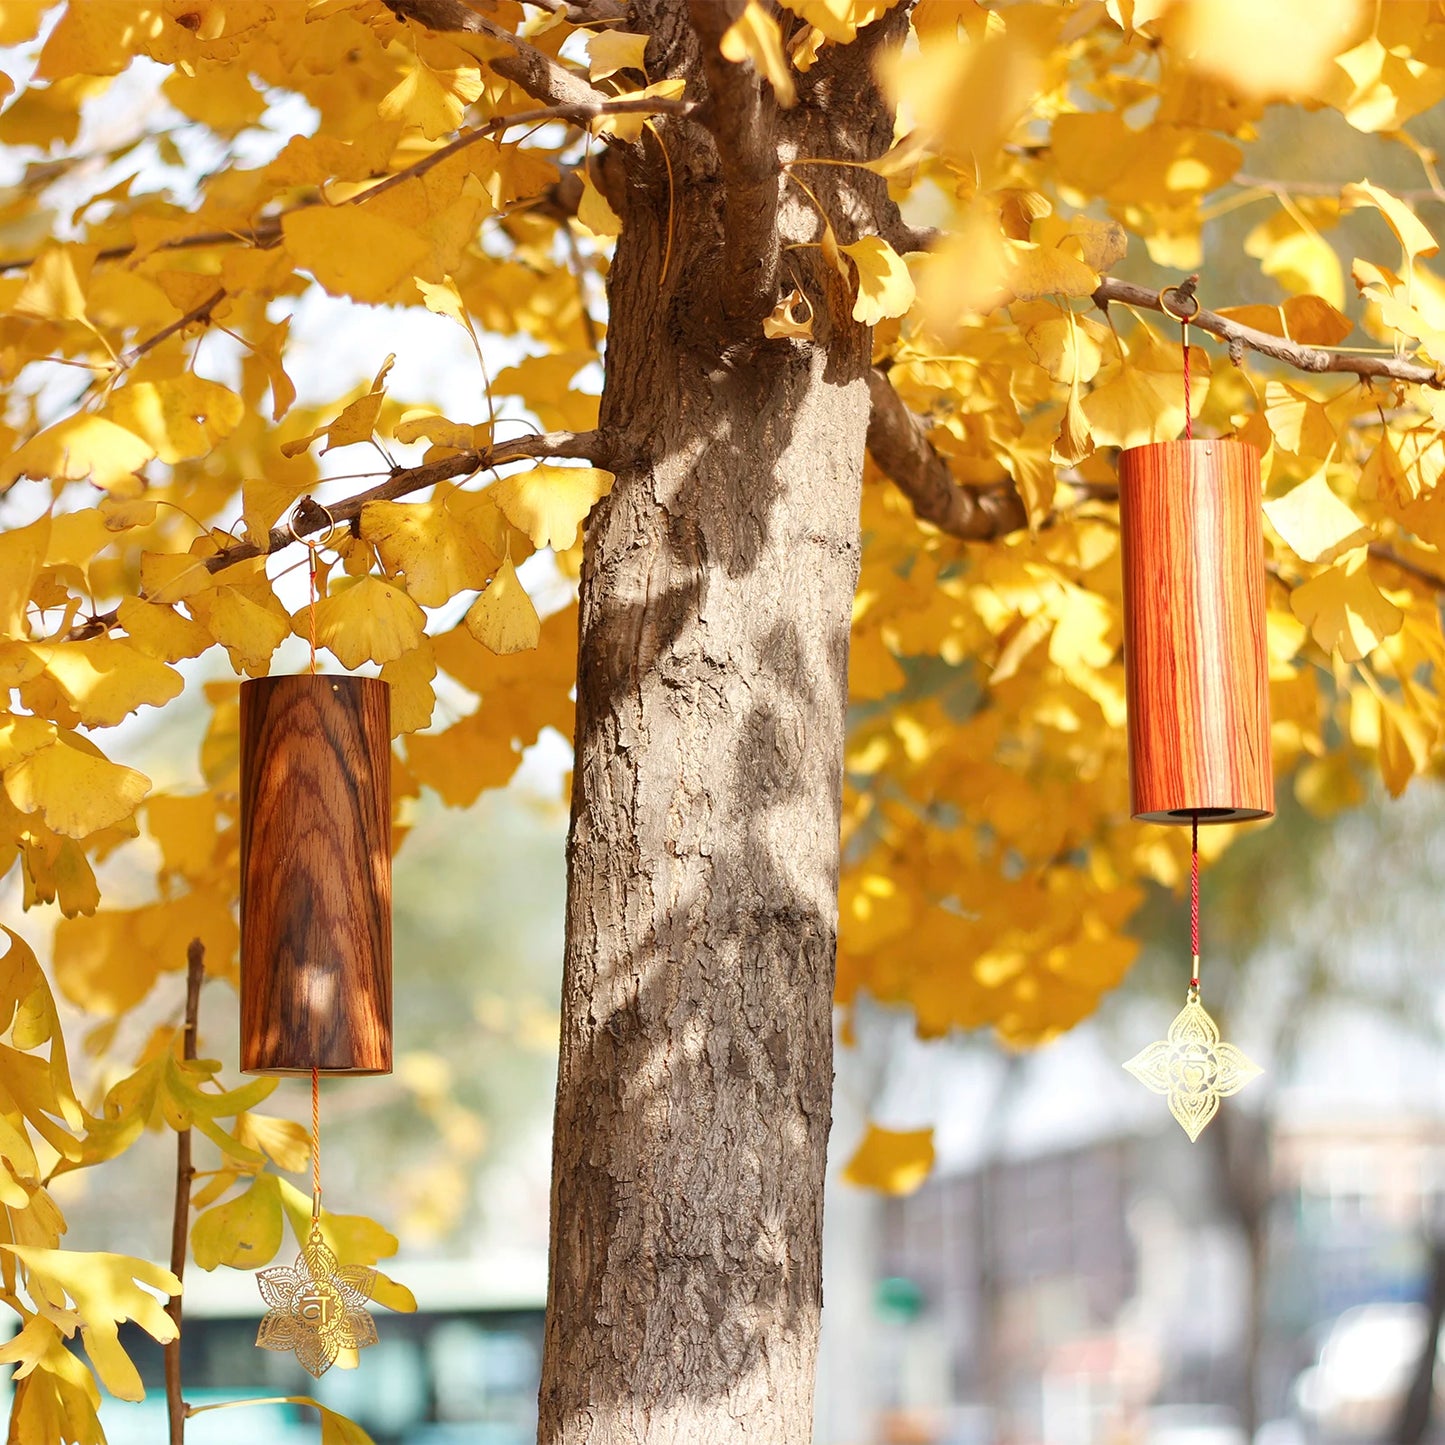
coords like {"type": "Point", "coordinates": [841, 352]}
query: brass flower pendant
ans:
{"type": "Point", "coordinates": [1192, 1067]}
{"type": "Point", "coordinates": [317, 1307]}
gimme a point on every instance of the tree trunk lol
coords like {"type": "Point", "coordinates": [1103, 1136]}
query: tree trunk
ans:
{"type": "Point", "coordinates": [695, 1079]}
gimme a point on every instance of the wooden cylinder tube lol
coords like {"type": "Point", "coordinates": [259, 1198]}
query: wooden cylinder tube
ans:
{"type": "Point", "coordinates": [1194, 635]}
{"type": "Point", "coordinates": [315, 875]}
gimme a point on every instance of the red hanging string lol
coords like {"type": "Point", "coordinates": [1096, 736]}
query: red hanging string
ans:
{"type": "Point", "coordinates": [1194, 903]}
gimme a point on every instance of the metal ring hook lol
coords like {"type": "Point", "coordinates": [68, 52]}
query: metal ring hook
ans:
{"type": "Point", "coordinates": [333, 527]}
{"type": "Point", "coordinates": [1183, 318]}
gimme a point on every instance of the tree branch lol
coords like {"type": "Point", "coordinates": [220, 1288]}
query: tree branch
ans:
{"type": "Point", "coordinates": [898, 440]}
{"type": "Point", "coordinates": [899, 443]}
{"type": "Point", "coordinates": [314, 517]}
{"type": "Point", "coordinates": [196, 313]}
{"type": "Point", "coordinates": [583, 12]}
{"type": "Point", "coordinates": [533, 70]}
{"type": "Point", "coordinates": [1296, 354]}
{"type": "Point", "coordinates": [741, 117]}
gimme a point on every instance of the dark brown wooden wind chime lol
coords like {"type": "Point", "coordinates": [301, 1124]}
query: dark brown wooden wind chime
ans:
{"type": "Point", "coordinates": [1197, 675]}
{"type": "Point", "coordinates": [316, 940]}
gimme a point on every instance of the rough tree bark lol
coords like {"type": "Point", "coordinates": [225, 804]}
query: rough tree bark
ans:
{"type": "Point", "coordinates": [693, 1099]}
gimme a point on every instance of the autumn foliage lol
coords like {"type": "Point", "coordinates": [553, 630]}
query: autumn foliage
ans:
{"type": "Point", "coordinates": [153, 452]}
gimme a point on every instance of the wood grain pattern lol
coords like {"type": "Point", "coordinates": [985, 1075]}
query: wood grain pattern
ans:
{"type": "Point", "coordinates": [315, 875]}
{"type": "Point", "coordinates": [1194, 632]}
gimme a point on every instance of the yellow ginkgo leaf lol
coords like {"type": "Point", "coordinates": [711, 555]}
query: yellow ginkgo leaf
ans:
{"type": "Point", "coordinates": [884, 286]}
{"type": "Point", "coordinates": [1284, 48]}
{"type": "Point", "coordinates": [891, 1161]}
{"type": "Point", "coordinates": [756, 36]}
{"type": "Point", "coordinates": [550, 503]}
{"type": "Point", "coordinates": [355, 423]}
{"type": "Point", "coordinates": [105, 1293]}
{"type": "Point", "coordinates": [786, 320]}
{"type": "Point", "coordinates": [503, 617]}
{"type": "Point", "coordinates": [413, 699]}
{"type": "Point", "coordinates": [181, 417]}
{"type": "Point", "coordinates": [1068, 347]}
{"type": "Point", "coordinates": [243, 1233]}
{"type": "Point", "coordinates": [1310, 319]}
{"type": "Point", "coordinates": [1314, 522]}
{"type": "Point", "coordinates": [840, 20]}
{"type": "Point", "coordinates": [161, 632]}
{"type": "Point", "coordinates": [22, 550]}
{"type": "Point", "coordinates": [105, 679]}
{"type": "Point", "coordinates": [74, 788]}
{"type": "Point", "coordinates": [54, 288]}
{"type": "Point", "coordinates": [353, 252]}
{"type": "Point", "coordinates": [1344, 610]}
{"type": "Point", "coordinates": [443, 546]}
{"type": "Point", "coordinates": [1411, 232]}
{"type": "Point", "coordinates": [434, 100]}
{"type": "Point", "coordinates": [609, 51]}
{"type": "Point", "coordinates": [82, 447]}
{"type": "Point", "coordinates": [170, 577]}
{"type": "Point", "coordinates": [595, 212]}
{"type": "Point", "coordinates": [443, 298]}
{"type": "Point", "coordinates": [285, 1142]}
{"type": "Point", "coordinates": [1143, 400]}
{"type": "Point", "coordinates": [246, 620]}
{"type": "Point", "coordinates": [369, 620]}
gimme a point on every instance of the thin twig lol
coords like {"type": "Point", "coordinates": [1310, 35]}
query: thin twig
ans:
{"type": "Point", "coordinates": [196, 313]}
{"type": "Point", "coordinates": [1303, 358]}
{"type": "Point", "coordinates": [176, 1409]}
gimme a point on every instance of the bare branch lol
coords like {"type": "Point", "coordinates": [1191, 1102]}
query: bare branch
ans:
{"type": "Point", "coordinates": [741, 116]}
{"type": "Point", "coordinates": [1296, 354]}
{"type": "Point", "coordinates": [899, 443]}
{"type": "Point", "coordinates": [532, 69]}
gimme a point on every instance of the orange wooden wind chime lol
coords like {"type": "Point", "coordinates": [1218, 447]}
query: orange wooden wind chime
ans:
{"type": "Point", "coordinates": [1197, 676]}
{"type": "Point", "coordinates": [316, 941]}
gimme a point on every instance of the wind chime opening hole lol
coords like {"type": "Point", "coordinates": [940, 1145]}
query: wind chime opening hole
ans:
{"type": "Point", "coordinates": [1206, 815]}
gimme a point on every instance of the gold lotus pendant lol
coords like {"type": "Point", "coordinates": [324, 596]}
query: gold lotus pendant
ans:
{"type": "Point", "coordinates": [1192, 1068]}
{"type": "Point", "coordinates": [317, 1307]}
